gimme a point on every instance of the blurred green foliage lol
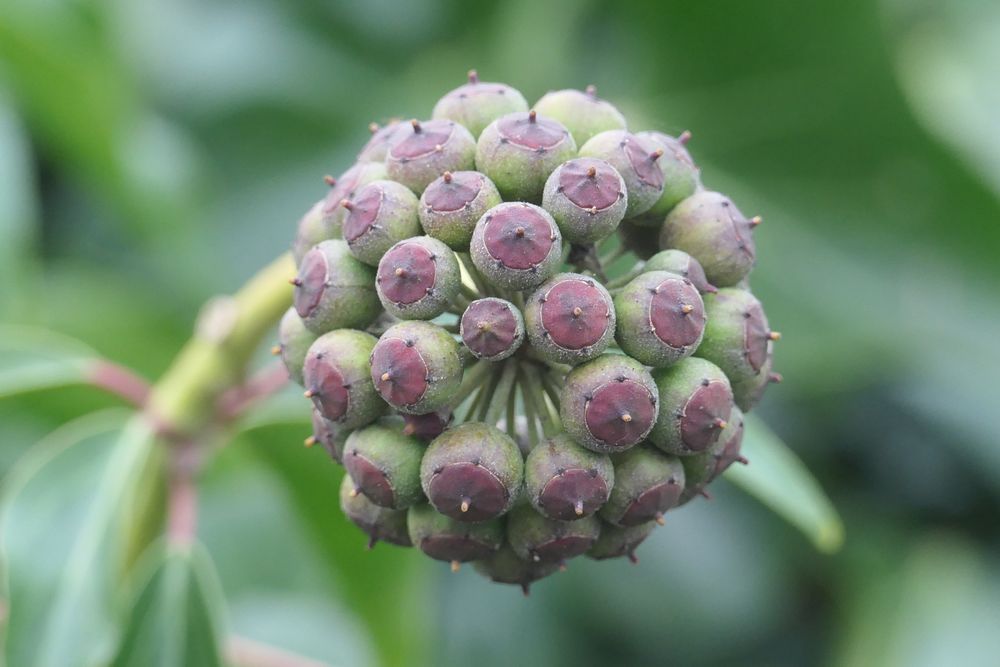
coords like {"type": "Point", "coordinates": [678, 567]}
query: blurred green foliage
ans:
{"type": "Point", "coordinates": [156, 152]}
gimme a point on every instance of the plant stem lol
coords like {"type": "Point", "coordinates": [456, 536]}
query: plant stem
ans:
{"type": "Point", "coordinates": [473, 377]}
{"type": "Point", "coordinates": [502, 395]}
{"type": "Point", "coordinates": [529, 407]}
{"type": "Point", "coordinates": [490, 389]}
{"type": "Point", "coordinates": [550, 421]}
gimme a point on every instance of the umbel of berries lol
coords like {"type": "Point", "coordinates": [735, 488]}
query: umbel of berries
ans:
{"type": "Point", "coordinates": [527, 331]}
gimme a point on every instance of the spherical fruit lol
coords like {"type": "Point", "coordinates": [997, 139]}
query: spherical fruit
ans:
{"type": "Point", "coordinates": [492, 329]}
{"type": "Point", "coordinates": [379, 523]}
{"type": "Point", "coordinates": [310, 231]}
{"type": "Point", "coordinates": [452, 204]}
{"type": "Point", "coordinates": [587, 199]}
{"type": "Point", "coordinates": [636, 160]}
{"type": "Point", "coordinates": [647, 484]}
{"type": "Point", "coordinates": [381, 213]}
{"type": "Point", "coordinates": [418, 278]}
{"type": "Point", "coordinates": [661, 318]}
{"type": "Point", "coordinates": [334, 290]}
{"type": "Point", "coordinates": [683, 264]}
{"type": "Point", "coordinates": [505, 567]}
{"type": "Point", "coordinates": [336, 378]}
{"type": "Point", "coordinates": [345, 187]}
{"type": "Point", "coordinates": [416, 367]}
{"type": "Point", "coordinates": [444, 538]}
{"type": "Point", "coordinates": [382, 137]}
{"type": "Point", "coordinates": [516, 245]}
{"type": "Point", "coordinates": [293, 343]}
{"type": "Point", "coordinates": [384, 463]}
{"type": "Point", "coordinates": [617, 541]}
{"type": "Point", "coordinates": [565, 481]}
{"type": "Point", "coordinates": [695, 403]}
{"type": "Point", "coordinates": [477, 103]}
{"type": "Point", "coordinates": [431, 148]}
{"type": "Point", "coordinates": [570, 319]}
{"type": "Point", "coordinates": [681, 178]}
{"type": "Point", "coordinates": [582, 112]}
{"type": "Point", "coordinates": [536, 538]}
{"type": "Point", "coordinates": [737, 337]}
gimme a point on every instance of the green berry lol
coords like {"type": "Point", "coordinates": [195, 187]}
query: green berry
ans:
{"type": "Point", "coordinates": [617, 541]}
{"type": "Point", "coordinates": [336, 377]}
{"type": "Point", "coordinates": [539, 539]}
{"type": "Point", "coordinates": [311, 230]}
{"type": "Point", "coordinates": [416, 367]}
{"type": "Point", "coordinates": [431, 148]}
{"type": "Point", "coordinates": [582, 112]}
{"type": "Point", "coordinates": [661, 318]}
{"type": "Point", "coordinates": [564, 481]}
{"type": "Point", "coordinates": [379, 523]}
{"type": "Point", "coordinates": [701, 469]}
{"type": "Point", "coordinates": [587, 199]}
{"type": "Point", "coordinates": [516, 245]}
{"type": "Point", "coordinates": [384, 463]}
{"type": "Point", "coordinates": [293, 343]}
{"type": "Point", "coordinates": [418, 278]}
{"type": "Point", "coordinates": [636, 160]}
{"type": "Point", "coordinates": [327, 434]}
{"type": "Point", "coordinates": [737, 336]}
{"type": "Point", "coordinates": [747, 393]}
{"type": "Point", "coordinates": [346, 187]}
{"type": "Point", "coordinates": [647, 484]}
{"type": "Point", "coordinates": [444, 538]}
{"type": "Point", "coordinates": [382, 137]}
{"type": "Point", "coordinates": [709, 227]}
{"type": "Point", "coordinates": [681, 178]}
{"type": "Point", "coordinates": [452, 204]}
{"type": "Point", "coordinates": [505, 567]}
{"type": "Point", "coordinates": [477, 103]}
{"type": "Point", "coordinates": [472, 472]}
{"type": "Point", "coordinates": [683, 264]}
{"type": "Point", "coordinates": [520, 150]}
{"type": "Point", "coordinates": [695, 404]}
{"type": "Point", "coordinates": [642, 241]}
{"type": "Point", "coordinates": [381, 213]}
{"type": "Point", "coordinates": [334, 290]}
{"type": "Point", "coordinates": [492, 328]}
{"type": "Point", "coordinates": [570, 319]}
{"type": "Point", "coordinates": [732, 442]}
{"type": "Point", "coordinates": [427, 426]}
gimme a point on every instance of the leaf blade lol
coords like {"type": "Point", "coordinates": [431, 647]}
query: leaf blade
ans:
{"type": "Point", "coordinates": [32, 359]}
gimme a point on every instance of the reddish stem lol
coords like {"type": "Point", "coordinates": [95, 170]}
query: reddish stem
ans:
{"type": "Point", "coordinates": [118, 380]}
{"type": "Point", "coordinates": [264, 383]}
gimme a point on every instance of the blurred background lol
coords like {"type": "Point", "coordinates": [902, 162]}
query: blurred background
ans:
{"type": "Point", "coordinates": [156, 152]}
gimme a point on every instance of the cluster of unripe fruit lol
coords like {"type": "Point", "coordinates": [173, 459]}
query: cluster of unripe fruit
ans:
{"type": "Point", "coordinates": [492, 395]}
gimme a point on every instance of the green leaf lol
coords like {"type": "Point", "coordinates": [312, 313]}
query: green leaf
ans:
{"type": "Point", "coordinates": [779, 479]}
{"type": "Point", "coordinates": [67, 514]}
{"type": "Point", "coordinates": [32, 359]}
{"type": "Point", "coordinates": [176, 616]}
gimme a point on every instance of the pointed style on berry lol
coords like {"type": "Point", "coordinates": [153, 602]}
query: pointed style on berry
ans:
{"type": "Point", "coordinates": [701, 469]}
{"type": "Point", "coordinates": [427, 426]}
{"type": "Point", "coordinates": [329, 435]}
{"type": "Point", "coordinates": [382, 137]}
{"type": "Point", "coordinates": [492, 328]}
{"type": "Point", "coordinates": [637, 160]}
{"type": "Point", "coordinates": [345, 187]}
{"type": "Point", "coordinates": [748, 392]}
{"type": "Point", "coordinates": [570, 319]}
{"type": "Point", "coordinates": [452, 204]}
{"type": "Point", "coordinates": [336, 377]}
{"type": "Point", "coordinates": [472, 472]}
{"type": "Point", "coordinates": [617, 541]}
{"type": "Point", "coordinates": [379, 523]}
{"type": "Point", "coordinates": [505, 567]}
{"type": "Point", "coordinates": [647, 484]}
{"type": "Point", "coordinates": [477, 103]}
{"type": "Point", "coordinates": [334, 290]}
{"type": "Point", "coordinates": [661, 318]}
{"type": "Point", "coordinates": [566, 482]}
{"type": "Point", "coordinates": [519, 151]}
{"type": "Point", "coordinates": [737, 336]}
{"type": "Point", "coordinates": [385, 463]}
{"type": "Point", "coordinates": [416, 367]}
{"type": "Point", "coordinates": [310, 231]}
{"type": "Point", "coordinates": [418, 278]}
{"type": "Point", "coordinates": [695, 404]}
{"type": "Point", "coordinates": [445, 539]}
{"type": "Point", "coordinates": [538, 539]}
{"type": "Point", "coordinates": [683, 264]}
{"type": "Point", "coordinates": [681, 178]}
{"type": "Point", "coordinates": [293, 344]}
{"type": "Point", "coordinates": [708, 226]}
{"type": "Point", "coordinates": [381, 214]}
{"type": "Point", "coordinates": [516, 246]}
{"type": "Point", "coordinates": [582, 112]}
{"type": "Point", "coordinates": [428, 150]}
{"type": "Point", "coordinates": [608, 404]}
{"type": "Point", "coordinates": [732, 442]}
{"type": "Point", "coordinates": [587, 199]}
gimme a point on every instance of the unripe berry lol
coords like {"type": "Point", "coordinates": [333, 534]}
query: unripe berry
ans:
{"type": "Point", "coordinates": [382, 137]}
{"type": "Point", "coordinates": [737, 336]}
{"type": "Point", "coordinates": [732, 442]}
{"type": "Point", "coordinates": [587, 199]}
{"type": "Point", "coordinates": [505, 567]}
{"type": "Point", "coordinates": [492, 329]}
{"type": "Point", "coordinates": [444, 538]}
{"type": "Point", "coordinates": [516, 245]}
{"type": "Point", "coordinates": [472, 472]}
{"type": "Point", "coordinates": [477, 103]}
{"type": "Point", "coordinates": [701, 469]}
{"type": "Point", "coordinates": [709, 227]}
{"type": "Point", "coordinates": [416, 367]}
{"type": "Point", "coordinates": [293, 343]}
{"type": "Point", "coordinates": [564, 481]}
{"type": "Point", "coordinates": [681, 178]}
{"type": "Point", "coordinates": [695, 404]}
{"type": "Point", "coordinates": [418, 278]}
{"type": "Point", "coordinates": [661, 318]}
{"type": "Point", "coordinates": [336, 377]}
{"type": "Point", "coordinates": [536, 538]}
{"type": "Point", "coordinates": [452, 204]}
{"type": "Point", "coordinates": [617, 541]}
{"type": "Point", "coordinates": [310, 231]}
{"type": "Point", "coordinates": [647, 484]}
{"type": "Point", "coordinates": [427, 426]}
{"type": "Point", "coordinates": [747, 393]}
{"type": "Point", "coordinates": [334, 290]}
{"type": "Point", "coordinates": [570, 319]}
{"type": "Point", "coordinates": [379, 523]}
{"type": "Point", "coordinates": [582, 112]}
{"type": "Point", "coordinates": [520, 150]}
{"type": "Point", "coordinates": [683, 264]}
{"type": "Point", "coordinates": [427, 151]}
{"type": "Point", "coordinates": [330, 436]}
{"type": "Point", "coordinates": [345, 187]}
{"type": "Point", "coordinates": [381, 213]}
{"type": "Point", "coordinates": [608, 404]}
{"type": "Point", "coordinates": [636, 160]}
{"type": "Point", "coordinates": [385, 464]}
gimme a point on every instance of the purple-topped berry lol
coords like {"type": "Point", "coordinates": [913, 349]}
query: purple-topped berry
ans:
{"type": "Point", "coordinates": [492, 328]}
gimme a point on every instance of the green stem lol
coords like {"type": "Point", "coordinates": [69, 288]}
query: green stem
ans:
{"type": "Point", "coordinates": [626, 278]}
{"type": "Point", "coordinates": [529, 407]}
{"type": "Point", "coordinates": [477, 278]}
{"type": "Point", "coordinates": [469, 293]}
{"type": "Point", "coordinates": [502, 394]}
{"type": "Point", "coordinates": [512, 411]}
{"type": "Point", "coordinates": [490, 389]}
{"type": "Point", "coordinates": [471, 381]}
{"type": "Point", "coordinates": [550, 421]}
